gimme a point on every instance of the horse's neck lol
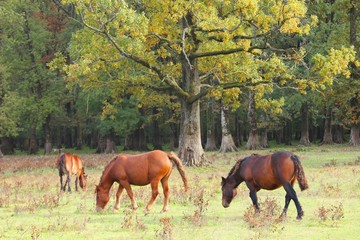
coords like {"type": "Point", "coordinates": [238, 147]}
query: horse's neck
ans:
{"type": "Point", "coordinates": [237, 179]}
{"type": "Point", "coordinates": [106, 182]}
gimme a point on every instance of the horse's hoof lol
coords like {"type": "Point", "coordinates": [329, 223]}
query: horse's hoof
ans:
{"type": "Point", "coordinates": [300, 215]}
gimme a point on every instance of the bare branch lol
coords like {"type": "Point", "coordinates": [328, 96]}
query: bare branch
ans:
{"type": "Point", "coordinates": [183, 47]}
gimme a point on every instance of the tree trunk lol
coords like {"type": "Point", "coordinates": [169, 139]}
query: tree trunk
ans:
{"type": "Point", "coordinates": [174, 136]}
{"type": "Point", "coordinates": [33, 146]}
{"type": "Point", "coordinates": [156, 132]}
{"type": "Point", "coordinates": [190, 149]}
{"type": "Point", "coordinates": [227, 142]}
{"type": "Point", "coordinates": [253, 140]}
{"type": "Point", "coordinates": [264, 133]}
{"type": "Point", "coordinates": [79, 136]}
{"type": "Point", "coordinates": [304, 140]}
{"type": "Point", "coordinates": [48, 144]}
{"type": "Point", "coordinates": [210, 123]}
{"type": "Point", "coordinates": [238, 131]}
{"type": "Point", "coordinates": [287, 132]}
{"type": "Point", "coordinates": [7, 146]}
{"type": "Point", "coordinates": [328, 138]}
{"type": "Point", "coordinates": [110, 145]}
{"type": "Point", "coordinates": [338, 134]}
{"type": "Point", "coordinates": [355, 135]}
{"type": "Point", "coordinates": [101, 144]}
{"type": "Point", "coordinates": [264, 138]}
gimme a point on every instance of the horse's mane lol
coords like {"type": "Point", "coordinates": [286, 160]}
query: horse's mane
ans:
{"type": "Point", "coordinates": [106, 169]}
{"type": "Point", "coordinates": [237, 166]}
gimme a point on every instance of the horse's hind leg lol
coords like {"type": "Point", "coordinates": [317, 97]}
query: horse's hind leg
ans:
{"type": "Point", "coordinates": [61, 183]}
{"type": "Point", "coordinates": [154, 194]}
{"type": "Point", "coordinates": [287, 201]}
{"type": "Point", "coordinates": [118, 194]}
{"type": "Point", "coordinates": [68, 183]}
{"type": "Point", "coordinates": [290, 192]}
{"type": "Point", "coordinates": [165, 186]}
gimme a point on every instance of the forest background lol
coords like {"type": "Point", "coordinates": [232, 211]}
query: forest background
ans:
{"type": "Point", "coordinates": [187, 75]}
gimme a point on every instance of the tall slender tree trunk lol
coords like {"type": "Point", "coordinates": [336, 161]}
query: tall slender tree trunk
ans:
{"type": "Point", "coordinates": [156, 132]}
{"type": "Point", "coordinates": [264, 133]}
{"type": "Point", "coordinates": [33, 146]}
{"type": "Point", "coordinates": [328, 137]}
{"type": "Point", "coordinates": [79, 136]}
{"type": "Point", "coordinates": [227, 142]}
{"type": "Point", "coordinates": [253, 140]}
{"type": "Point", "coordinates": [287, 132]}
{"type": "Point", "coordinates": [210, 123]}
{"type": "Point", "coordinates": [238, 130]}
{"type": "Point", "coordinates": [304, 112]}
{"type": "Point", "coordinates": [48, 144]}
{"type": "Point", "coordinates": [339, 134]}
{"type": "Point", "coordinates": [190, 148]}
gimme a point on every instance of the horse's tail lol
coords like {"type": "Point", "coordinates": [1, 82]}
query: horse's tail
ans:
{"type": "Point", "coordinates": [300, 173]}
{"type": "Point", "coordinates": [172, 156]}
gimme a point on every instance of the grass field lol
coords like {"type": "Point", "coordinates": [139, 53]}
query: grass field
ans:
{"type": "Point", "coordinates": [31, 206]}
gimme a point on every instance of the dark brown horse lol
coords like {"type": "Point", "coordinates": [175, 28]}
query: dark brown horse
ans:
{"type": "Point", "coordinates": [266, 172]}
{"type": "Point", "coordinates": [142, 169]}
{"type": "Point", "coordinates": [68, 165]}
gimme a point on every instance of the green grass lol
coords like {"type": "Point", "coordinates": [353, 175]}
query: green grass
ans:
{"type": "Point", "coordinates": [31, 206]}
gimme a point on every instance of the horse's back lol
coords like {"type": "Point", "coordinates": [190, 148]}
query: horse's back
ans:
{"type": "Point", "coordinates": [140, 169]}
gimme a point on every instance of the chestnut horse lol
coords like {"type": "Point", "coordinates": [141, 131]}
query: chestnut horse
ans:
{"type": "Point", "coordinates": [266, 172]}
{"type": "Point", "coordinates": [140, 170]}
{"type": "Point", "coordinates": [68, 165]}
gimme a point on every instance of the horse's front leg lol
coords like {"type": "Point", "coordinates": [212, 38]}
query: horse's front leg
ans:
{"type": "Point", "coordinates": [76, 183]}
{"type": "Point", "coordinates": [253, 196]}
{"type": "Point", "coordinates": [118, 195]}
{"type": "Point", "coordinates": [130, 193]}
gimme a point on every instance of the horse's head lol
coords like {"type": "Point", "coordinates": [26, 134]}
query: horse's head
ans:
{"type": "Point", "coordinates": [83, 178]}
{"type": "Point", "coordinates": [228, 191]}
{"type": "Point", "coordinates": [102, 198]}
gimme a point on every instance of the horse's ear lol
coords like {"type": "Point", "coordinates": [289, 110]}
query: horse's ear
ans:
{"type": "Point", "coordinates": [223, 180]}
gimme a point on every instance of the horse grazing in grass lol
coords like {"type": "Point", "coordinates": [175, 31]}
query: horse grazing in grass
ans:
{"type": "Point", "coordinates": [266, 172]}
{"type": "Point", "coordinates": [68, 165]}
{"type": "Point", "coordinates": [140, 170]}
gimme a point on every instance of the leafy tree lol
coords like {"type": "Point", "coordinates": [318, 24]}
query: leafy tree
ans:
{"type": "Point", "coordinates": [179, 46]}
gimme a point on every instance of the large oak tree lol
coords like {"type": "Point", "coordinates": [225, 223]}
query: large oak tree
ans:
{"type": "Point", "coordinates": [177, 46]}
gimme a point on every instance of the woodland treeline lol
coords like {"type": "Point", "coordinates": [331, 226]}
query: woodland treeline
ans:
{"type": "Point", "coordinates": [190, 75]}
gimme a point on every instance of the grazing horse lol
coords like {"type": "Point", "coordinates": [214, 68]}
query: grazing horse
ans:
{"type": "Point", "coordinates": [266, 172]}
{"type": "Point", "coordinates": [68, 165]}
{"type": "Point", "coordinates": [140, 170]}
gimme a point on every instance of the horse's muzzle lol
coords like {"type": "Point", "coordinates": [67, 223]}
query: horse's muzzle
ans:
{"type": "Point", "coordinates": [225, 204]}
{"type": "Point", "coordinates": [99, 209]}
